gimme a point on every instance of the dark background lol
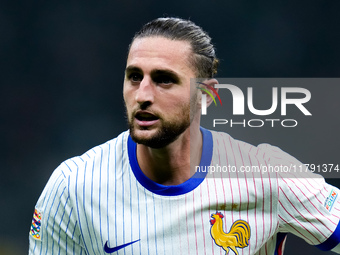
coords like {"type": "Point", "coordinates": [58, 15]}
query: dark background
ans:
{"type": "Point", "coordinates": [62, 65]}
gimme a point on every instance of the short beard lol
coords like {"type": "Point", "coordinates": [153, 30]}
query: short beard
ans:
{"type": "Point", "coordinates": [168, 133]}
{"type": "Point", "coordinates": [170, 130]}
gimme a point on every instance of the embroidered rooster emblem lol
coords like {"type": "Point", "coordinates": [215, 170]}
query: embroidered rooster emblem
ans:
{"type": "Point", "coordinates": [238, 235]}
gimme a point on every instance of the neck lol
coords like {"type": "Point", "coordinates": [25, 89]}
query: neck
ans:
{"type": "Point", "coordinates": [175, 163]}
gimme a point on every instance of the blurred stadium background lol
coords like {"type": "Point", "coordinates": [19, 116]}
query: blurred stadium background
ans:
{"type": "Point", "coordinates": [62, 65]}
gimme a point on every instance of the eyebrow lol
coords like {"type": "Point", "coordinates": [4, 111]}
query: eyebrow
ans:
{"type": "Point", "coordinates": [131, 69]}
{"type": "Point", "coordinates": [163, 72]}
{"type": "Point", "coordinates": [156, 72]}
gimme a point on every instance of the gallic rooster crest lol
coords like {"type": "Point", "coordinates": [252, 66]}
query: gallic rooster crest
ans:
{"type": "Point", "coordinates": [238, 236]}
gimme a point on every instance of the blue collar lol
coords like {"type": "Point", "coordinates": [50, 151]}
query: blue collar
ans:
{"type": "Point", "coordinates": [173, 190]}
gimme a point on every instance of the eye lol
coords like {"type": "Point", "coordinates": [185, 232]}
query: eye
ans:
{"type": "Point", "coordinates": [135, 77]}
{"type": "Point", "coordinates": [164, 79]}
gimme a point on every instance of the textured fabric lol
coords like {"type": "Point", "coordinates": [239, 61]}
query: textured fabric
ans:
{"type": "Point", "coordinates": [94, 204]}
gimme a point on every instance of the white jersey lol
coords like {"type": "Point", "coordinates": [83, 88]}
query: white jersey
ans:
{"type": "Point", "coordinates": [101, 203]}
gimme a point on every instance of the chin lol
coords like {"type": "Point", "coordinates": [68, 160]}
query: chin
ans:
{"type": "Point", "coordinates": [158, 136]}
{"type": "Point", "coordinates": [153, 139]}
{"type": "Point", "coordinates": [140, 134]}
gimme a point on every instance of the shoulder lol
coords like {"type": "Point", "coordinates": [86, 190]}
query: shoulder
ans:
{"type": "Point", "coordinates": [265, 151]}
{"type": "Point", "coordinates": [261, 159]}
{"type": "Point", "coordinates": [268, 152]}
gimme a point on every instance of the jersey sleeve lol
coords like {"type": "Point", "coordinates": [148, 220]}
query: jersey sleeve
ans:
{"type": "Point", "coordinates": [308, 206]}
{"type": "Point", "coordinates": [54, 227]}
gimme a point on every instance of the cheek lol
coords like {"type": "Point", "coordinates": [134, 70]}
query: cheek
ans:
{"type": "Point", "coordinates": [182, 96]}
{"type": "Point", "coordinates": [128, 105]}
{"type": "Point", "coordinates": [175, 104]}
{"type": "Point", "coordinates": [127, 95]}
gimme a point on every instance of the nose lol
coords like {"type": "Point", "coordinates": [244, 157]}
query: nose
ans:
{"type": "Point", "coordinates": [145, 92]}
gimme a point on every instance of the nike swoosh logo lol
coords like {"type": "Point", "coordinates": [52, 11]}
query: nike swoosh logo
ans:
{"type": "Point", "coordinates": [107, 249]}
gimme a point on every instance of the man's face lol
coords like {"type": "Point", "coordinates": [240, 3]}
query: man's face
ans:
{"type": "Point", "coordinates": [157, 90]}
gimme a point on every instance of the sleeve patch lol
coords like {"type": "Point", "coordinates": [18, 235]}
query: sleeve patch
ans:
{"type": "Point", "coordinates": [330, 200]}
{"type": "Point", "coordinates": [36, 225]}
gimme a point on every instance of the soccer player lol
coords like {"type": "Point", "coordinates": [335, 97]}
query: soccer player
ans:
{"type": "Point", "coordinates": [139, 193]}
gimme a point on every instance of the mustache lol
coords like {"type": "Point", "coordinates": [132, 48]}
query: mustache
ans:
{"type": "Point", "coordinates": [141, 112]}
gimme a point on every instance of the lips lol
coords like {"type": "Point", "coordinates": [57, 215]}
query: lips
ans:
{"type": "Point", "coordinates": [145, 118]}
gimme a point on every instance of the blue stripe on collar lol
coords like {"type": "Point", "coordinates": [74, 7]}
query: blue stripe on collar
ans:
{"type": "Point", "coordinates": [173, 190]}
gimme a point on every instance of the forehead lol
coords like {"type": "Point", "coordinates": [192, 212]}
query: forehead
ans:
{"type": "Point", "coordinates": [160, 52]}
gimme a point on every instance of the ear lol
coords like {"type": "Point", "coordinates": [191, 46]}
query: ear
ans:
{"type": "Point", "coordinates": [209, 85]}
